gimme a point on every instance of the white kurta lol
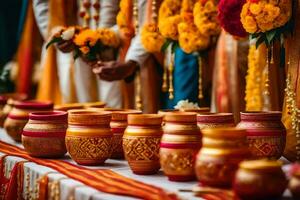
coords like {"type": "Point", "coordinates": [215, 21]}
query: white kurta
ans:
{"type": "Point", "coordinates": [109, 92]}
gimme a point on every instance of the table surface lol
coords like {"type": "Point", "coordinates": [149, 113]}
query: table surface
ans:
{"type": "Point", "coordinates": [80, 191]}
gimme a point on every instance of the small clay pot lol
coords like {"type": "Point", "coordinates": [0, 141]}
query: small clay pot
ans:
{"type": "Point", "coordinates": [89, 137]}
{"type": "Point", "coordinates": [222, 151]}
{"type": "Point", "coordinates": [19, 115]}
{"type": "Point", "coordinates": [180, 143]}
{"type": "Point", "coordinates": [215, 120]}
{"type": "Point", "coordinates": [260, 180]}
{"type": "Point", "coordinates": [266, 133]}
{"type": "Point", "coordinates": [141, 143]}
{"type": "Point", "coordinates": [98, 104]}
{"type": "Point", "coordinates": [44, 134]}
{"type": "Point", "coordinates": [69, 106]}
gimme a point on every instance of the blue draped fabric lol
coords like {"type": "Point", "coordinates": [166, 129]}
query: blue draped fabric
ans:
{"type": "Point", "coordinates": [185, 79]}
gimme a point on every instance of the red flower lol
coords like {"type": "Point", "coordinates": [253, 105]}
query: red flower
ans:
{"type": "Point", "coordinates": [229, 16]}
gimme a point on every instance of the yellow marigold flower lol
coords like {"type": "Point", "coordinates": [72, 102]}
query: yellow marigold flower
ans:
{"type": "Point", "coordinates": [168, 27]}
{"type": "Point", "coordinates": [86, 36]}
{"type": "Point", "coordinates": [151, 38]}
{"type": "Point", "coordinates": [249, 24]}
{"type": "Point", "coordinates": [256, 8]}
{"type": "Point", "coordinates": [84, 49]}
{"type": "Point", "coordinates": [123, 22]}
{"type": "Point", "coordinates": [205, 17]}
{"type": "Point", "coordinates": [190, 38]}
{"type": "Point", "coordinates": [187, 5]}
{"type": "Point", "coordinates": [108, 37]}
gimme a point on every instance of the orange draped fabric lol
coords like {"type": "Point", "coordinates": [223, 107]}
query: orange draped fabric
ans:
{"type": "Point", "coordinates": [103, 180]}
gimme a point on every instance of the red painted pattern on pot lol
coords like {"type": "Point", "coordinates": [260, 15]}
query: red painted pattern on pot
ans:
{"type": "Point", "coordinates": [44, 134]}
{"type": "Point", "coordinates": [214, 120]}
{"type": "Point", "coordinates": [179, 145]}
{"type": "Point", "coordinates": [266, 133]}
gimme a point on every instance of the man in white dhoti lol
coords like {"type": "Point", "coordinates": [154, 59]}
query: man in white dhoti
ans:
{"type": "Point", "coordinates": [109, 92]}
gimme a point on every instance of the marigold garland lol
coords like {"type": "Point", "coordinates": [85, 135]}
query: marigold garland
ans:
{"type": "Point", "coordinates": [123, 18]}
{"type": "Point", "coordinates": [206, 17]}
{"type": "Point", "coordinates": [108, 38]}
{"type": "Point", "coordinates": [86, 37]}
{"type": "Point", "coordinates": [264, 15]}
{"type": "Point", "coordinates": [151, 38]}
{"type": "Point", "coordinates": [229, 14]}
{"type": "Point", "coordinates": [190, 38]}
{"type": "Point", "coordinates": [169, 18]}
{"type": "Point", "coordinates": [253, 98]}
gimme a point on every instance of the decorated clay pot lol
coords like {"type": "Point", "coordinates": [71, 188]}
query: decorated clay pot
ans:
{"type": "Point", "coordinates": [3, 101]}
{"type": "Point", "coordinates": [98, 104]}
{"type": "Point", "coordinates": [222, 151]}
{"type": "Point", "coordinates": [69, 106]}
{"type": "Point", "coordinates": [214, 120]}
{"type": "Point", "coordinates": [44, 134]}
{"type": "Point", "coordinates": [265, 133]}
{"type": "Point", "coordinates": [89, 138]}
{"type": "Point", "coordinates": [19, 115]}
{"type": "Point", "coordinates": [260, 179]}
{"type": "Point", "coordinates": [141, 143]}
{"type": "Point", "coordinates": [118, 125]}
{"type": "Point", "coordinates": [179, 145]}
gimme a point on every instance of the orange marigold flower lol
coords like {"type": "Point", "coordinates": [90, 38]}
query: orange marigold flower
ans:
{"type": "Point", "coordinates": [84, 49]}
{"type": "Point", "coordinates": [151, 38]}
{"type": "Point", "coordinates": [85, 37]}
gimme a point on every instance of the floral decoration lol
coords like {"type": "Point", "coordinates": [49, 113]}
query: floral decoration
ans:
{"type": "Point", "coordinates": [229, 12]}
{"type": "Point", "coordinates": [151, 38]}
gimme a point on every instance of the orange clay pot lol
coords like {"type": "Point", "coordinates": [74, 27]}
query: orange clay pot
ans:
{"type": "Point", "coordinates": [44, 134]}
{"type": "Point", "coordinates": [265, 133]}
{"type": "Point", "coordinates": [141, 142]}
{"type": "Point", "coordinates": [89, 138]}
{"type": "Point", "coordinates": [199, 110]}
{"type": "Point", "coordinates": [214, 120]}
{"type": "Point", "coordinates": [69, 106]}
{"type": "Point", "coordinates": [179, 145]}
{"type": "Point", "coordinates": [260, 180]}
{"type": "Point", "coordinates": [222, 151]}
{"type": "Point", "coordinates": [19, 115]}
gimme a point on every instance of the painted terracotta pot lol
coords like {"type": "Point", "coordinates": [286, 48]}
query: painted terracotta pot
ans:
{"type": "Point", "coordinates": [9, 100]}
{"type": "Point", "coordinates": [69, 106]}
{"type": "Point", "coordinates": [259, 180]}
{"type": "Point", "coordinates": [89, 138]}
{"type": "Point", "coordinates": [118, 125]}
{"type": "Point", "coordinates": [214, 120]}
{"type": "Point", "coordinates": [179, 145]}
{"type": "Point", "coordinates": [3, 101]}
{"type": "Point", "coordinates": [265, 133]}
{"type": "Point", "coordinates": [141, 143]}
{"type": "Point", "coordinates": [19, 115]}
{"type": "Point", "coordinates": [98, 104]}
{"type": "Point", "coordinates": [222, 151]}
{"type": "Point", "coordinates": [44, 134]}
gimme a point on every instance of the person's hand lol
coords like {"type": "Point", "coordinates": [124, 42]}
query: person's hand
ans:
{"type": "Point", "coordinates": [114, 70]}
{"type": "Point", "coordinates": [65, 46]}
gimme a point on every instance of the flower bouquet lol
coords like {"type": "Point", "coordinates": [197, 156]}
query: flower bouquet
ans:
{"type": "Point", "coordinates": [91, 45]}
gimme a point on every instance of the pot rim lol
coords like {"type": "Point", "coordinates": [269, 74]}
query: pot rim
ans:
{"type": "Point", "coordinates": [262, 164]}
{"type": "Point", "coordinates": [215, 117]}
{"type": "Point", "coordinates": [97, 104]}
{"type": "Point", "coordinates": [258, 115]}
{"type": "Point", "coordinates": [224, 132]}
{"type": "Point", "coordinates": [87, 112]}
{"type": "Point", "coordinates": [68, 106]}
{"type": "Point", "coordinates": [33, 104]}
{"type": "Point", "coordinates": [181, 116]}
{"type": "Point", "coordinates": [49, 115]}
{"type": "Point", "coordinates": [144, 119]}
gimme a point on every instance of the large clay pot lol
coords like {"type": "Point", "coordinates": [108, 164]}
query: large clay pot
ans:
{"type": "Point", "coordinates": [222, 151]}
{"type": "Point", "coordinates": [3, 101]}
{"type": "Point", "coordinates": [179, 145]}
{"type": "Point", "coordinates": [214, 120]}
{"type": "Point", "coordinates": [44, 134]}
{"type": "Point", "coordinates": [69, 106]}
{"type": "Point", "coordinates": [18, 116]}
{"type": "Point", "coordinates": [141, 142]}
{"type": "Point", "coordinates": [118, 125]}
{"type": "Point", "coordinates": [265, 133]}
{"type": "Point", "coordinates": [260, 180]}
{"type": "Point", "coordinates": [89, 138]}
